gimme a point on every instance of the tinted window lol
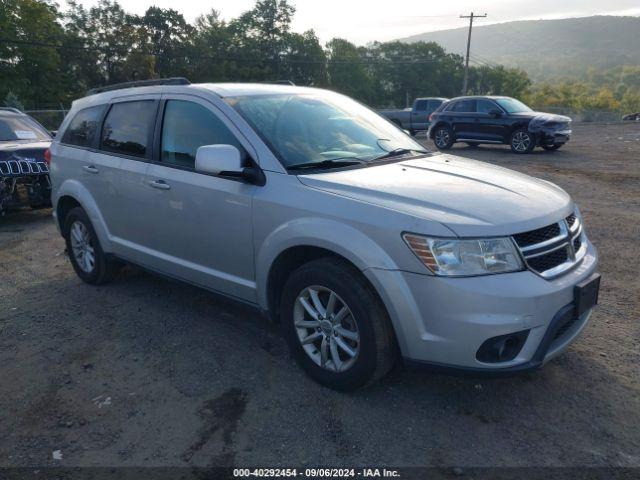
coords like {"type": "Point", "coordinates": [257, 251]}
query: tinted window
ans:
{"type": "Point", "coordinates": [17, 128]}
{"type": "Point", "coordinates": [485, 106]}
{"type": "Point", "coordinates": [82, 129]}
{"type": "Point", "coordinates": [462, 106]}
{"type": "Point", "coordinates": [433, 104]}
{"type": "Point", "coordinates": [188, 126]}
{"type": "Point", "coordinates": [421, 105]}
{"type": "Point", "coordinates": [127, 127]}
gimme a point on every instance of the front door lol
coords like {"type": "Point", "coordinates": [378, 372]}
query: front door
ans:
{"type": "Point", "coordinates": [203, 231]}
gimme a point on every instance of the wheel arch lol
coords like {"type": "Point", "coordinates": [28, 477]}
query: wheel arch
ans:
{"type": "Point", "coordinates": [304, 240]}
{"type": "Point", "coordinates": [73, 194]}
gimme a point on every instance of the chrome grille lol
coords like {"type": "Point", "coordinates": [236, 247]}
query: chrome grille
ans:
{"type": "Point", "coordinates": [554, 249]}
{"type": "Point", "coordinates": [10, 168]}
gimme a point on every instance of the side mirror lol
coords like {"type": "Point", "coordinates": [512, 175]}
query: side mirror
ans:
{"type": "Point", "coordinates": [53, 133]}
{"type": "Point", "coordinates": [495, 112]}
{"type": "Point", "coordinates": [217, 159]}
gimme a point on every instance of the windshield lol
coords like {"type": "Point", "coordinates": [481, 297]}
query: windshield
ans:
{"type": "Point", "coordinates": [511, 105]}
{"type": "Point", "coordinates": [321, 127]}
{"type": "Point", "coordinates": [21, 128]}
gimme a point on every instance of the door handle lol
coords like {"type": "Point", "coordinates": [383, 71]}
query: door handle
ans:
{"type": "Point", "coordinates": [90, 169]}
{"type": "Point", "coordinates": [159, 184]}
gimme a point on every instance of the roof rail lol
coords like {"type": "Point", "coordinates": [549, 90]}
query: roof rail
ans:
{"type": "Point", "coordinates": [140, 83]}
{"type": "Point", "coordinates": [10, 109]}
{"type": "Point", "coordinates": [280, 82]}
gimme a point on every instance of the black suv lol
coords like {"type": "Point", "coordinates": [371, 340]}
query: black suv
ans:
{"type": "Point", "coordinates": [476, 120]}
{"type": "Point", "coordinates": [24, 165]}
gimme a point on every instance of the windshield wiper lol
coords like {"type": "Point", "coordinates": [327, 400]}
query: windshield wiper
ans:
{"type": "Point", "coordinates": [396, 153]}
{"type": "Point", "coordinates": [329, 163]}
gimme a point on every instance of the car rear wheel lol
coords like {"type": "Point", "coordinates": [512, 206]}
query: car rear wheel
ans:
{"type": "Point", "coordinates": [336, 327]}
{"type": "Point", "coordinates": [443, 138]}
{"type": "Point", "coordinates": [552, 147]}
{"type": "Point", "coordinates": [522, 141]}
{"type": "Point", "coordinates": [86, 255]}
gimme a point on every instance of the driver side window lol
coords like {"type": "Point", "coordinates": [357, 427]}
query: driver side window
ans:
{"type": "Point", "coordinates": [186, 126]}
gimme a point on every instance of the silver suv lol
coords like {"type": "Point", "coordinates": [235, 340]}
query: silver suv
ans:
{"type": "Point", "coordinates": [309, 206]}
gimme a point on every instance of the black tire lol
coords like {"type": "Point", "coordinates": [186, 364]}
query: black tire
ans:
{"type": "Point", "coordinates": [551, 148]}
{"type": "Point", "coordinates": [103, 268]}
{"type": "Point", "coordinates": [377, 351]}
{"type": "Point", "coordinates": [443, 132]}
{"type": "Point", "coordinates": [522, 141]}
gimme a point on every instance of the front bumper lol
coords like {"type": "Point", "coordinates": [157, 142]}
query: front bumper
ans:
{"type": "Point", "coordinates": [443, 321]}
{"type": "Point", "coordinates": [555, 137]}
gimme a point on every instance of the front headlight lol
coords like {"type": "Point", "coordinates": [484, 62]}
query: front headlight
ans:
{"type": "Point", "coordinates": [455, 257]}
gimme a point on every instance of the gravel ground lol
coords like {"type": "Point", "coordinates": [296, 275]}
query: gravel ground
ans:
{"type": "Point", "coordinates": [150, 372]}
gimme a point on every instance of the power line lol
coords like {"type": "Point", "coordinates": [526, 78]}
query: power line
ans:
{"type": "Point", "coordinates": [466, 63]}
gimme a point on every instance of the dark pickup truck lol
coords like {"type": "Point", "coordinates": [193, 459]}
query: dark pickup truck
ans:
{"type": "Point", "coordinates": [416, 118]}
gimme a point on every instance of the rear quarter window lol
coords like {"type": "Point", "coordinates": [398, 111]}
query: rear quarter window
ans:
{"type": "Point", "coordinates": [82, 130]}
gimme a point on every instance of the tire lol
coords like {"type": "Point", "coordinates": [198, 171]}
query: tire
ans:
{"type": "Point", "coordinates": [372, 354]}
{"type": "Point", "coordinates": [101, 270]}
{"type": "Point", "coordinates": [522, 141]}
{"type": "Point", "coordinates": [551, 148]}
{"type": "Point", "coordinates": [443, 137]}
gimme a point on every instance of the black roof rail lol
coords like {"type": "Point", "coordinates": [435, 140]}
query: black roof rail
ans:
{"type": "Point", "coordinates": [140, 83]}
{"type": "Point", "coordinates": [10, 109]}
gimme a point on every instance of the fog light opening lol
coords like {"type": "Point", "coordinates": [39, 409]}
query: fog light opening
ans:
{"type": "Point", "coordinates": [502, 348]}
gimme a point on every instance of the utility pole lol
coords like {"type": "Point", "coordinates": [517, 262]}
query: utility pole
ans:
{"type": "Point", "coordinates": [466, 63]}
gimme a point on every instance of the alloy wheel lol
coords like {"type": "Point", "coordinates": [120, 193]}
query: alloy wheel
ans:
{"type": "Point", "coordinates": [82, 247]}
{"type": "Point", "coordinates": [521, 141]}
{"type": "Point", "coordinates": [442, 137]}
{"type": "Point", "coordinates": [326, 328]}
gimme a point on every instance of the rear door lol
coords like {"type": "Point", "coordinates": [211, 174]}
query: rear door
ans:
{"type": "Point", "coordinates": [120, 166]}
{"type": "Point", "coordinates": [462, 114]}
{"type": "Point", "coordinates": [202, 228]}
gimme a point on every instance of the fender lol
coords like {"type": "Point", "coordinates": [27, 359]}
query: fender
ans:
{"type": "Point", "coordinates": [74, 189]}
{"type": "Point", "coordinates": [320, 232]}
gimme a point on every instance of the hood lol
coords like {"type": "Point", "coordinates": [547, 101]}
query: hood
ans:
{"type": "Point", "coordinates": [541, 118]}
{"type": "Point", "coordinates": [23, 149]}
{"type": "Point", "coordinates": [469, 197]}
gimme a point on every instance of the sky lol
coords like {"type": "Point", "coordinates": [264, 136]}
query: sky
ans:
{"type": "Point", "coordinates": [363, 21]}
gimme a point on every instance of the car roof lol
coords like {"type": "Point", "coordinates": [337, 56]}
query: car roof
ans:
{"type": "Point", "coordinates": [476, 97]}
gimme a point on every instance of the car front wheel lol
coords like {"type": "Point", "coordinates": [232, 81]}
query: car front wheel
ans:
{"type": "Point", "coordinates": [552, 147]}
{"type": "Point", "coordinates": [336, 327]}
{"type": "Point", "coordinates": [522, 141]}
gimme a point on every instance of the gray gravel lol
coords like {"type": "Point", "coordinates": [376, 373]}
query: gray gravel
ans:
{"type": "Point", "coordinates": [146, 371]}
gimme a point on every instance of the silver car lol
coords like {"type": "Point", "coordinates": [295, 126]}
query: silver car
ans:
{"type": "Point", "coordinates": [366, 247]}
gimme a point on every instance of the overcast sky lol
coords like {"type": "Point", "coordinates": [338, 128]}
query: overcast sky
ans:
{"type": "Point", "coordinates": [362, 21]}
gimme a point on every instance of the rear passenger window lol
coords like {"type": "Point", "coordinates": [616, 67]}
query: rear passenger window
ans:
{"type": "Point", "coordinates": [82, 130]}
{"type": "Point", "coordinates": [128, 126]}
{"type": "Point", "coordinates": [188, 126]}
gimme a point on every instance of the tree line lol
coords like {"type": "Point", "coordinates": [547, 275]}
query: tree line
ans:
{"type": "Point", "coordinates": [50, 56]}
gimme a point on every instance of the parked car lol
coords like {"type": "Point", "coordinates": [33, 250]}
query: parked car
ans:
{"type": "Point", "coordinates": [632, 117]}
{"type": "Point", "coordinates": [24, 173]}
{"type": "Point", "coordinates": [416, 118]}
{"type": "Point", "coordinates": [312, 208]}
{"type": "Point", "coordinates": [505, 120]}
